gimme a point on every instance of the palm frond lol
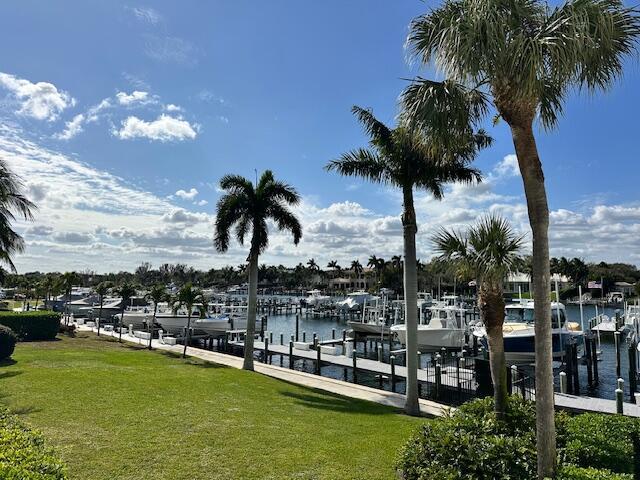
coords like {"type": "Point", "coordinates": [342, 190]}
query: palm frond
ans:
{"type": "Point", "coordinates": [361, 162]}
{"type": "Point", "coordinates": [379, 133]}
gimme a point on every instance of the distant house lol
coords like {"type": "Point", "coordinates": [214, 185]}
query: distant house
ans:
{"type": "Point", "coordinates": [626, 288]}
{"type": "Point", "coordinates": [520, 282]}
{"type": "Point", "coordinates": [349, 280]}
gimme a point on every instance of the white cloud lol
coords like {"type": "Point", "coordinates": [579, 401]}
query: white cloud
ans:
{"type": "Point", "coordinates": [72, 128]}
{"type": "Point", "coordinates": [187, 195]}
{"type": "Point", "coordinates": [173, 108]}
{"type": "Point", "coordinates": [94, 112]}
{"type": "Point", "coordinates": [146, 14]}
{"type": "Point", "coordinates": [201, 203]}
{"type": "Point", "coordinates": [180, 215]}
{"type": "Point", "coordinates": [164, 129]}
{"type": "Point", "coordinates": [42, 100]}
{"type": "Point", "coordinates": [508, 166]}
{"type": "Point", "coordinates": [223, 119]}
{"type": "Point", "coordinates": [135, 97]}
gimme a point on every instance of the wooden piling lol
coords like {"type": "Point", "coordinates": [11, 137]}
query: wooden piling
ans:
{"type": "Point", "coordinates": [619, 402]}
{"type": "Point", "coordinates": [563, 382]}
{"type": "Point", "coordinates": [266, 350]}
{"type": "Point", "coordinates": [298, 324]}
{"type": "Point", "coordinates": [355, 367]}
{"type": "Point", "coordinates": [392, 361]}
{"type": "Point", "coordinates": [438, 379]}
{"type": "Point", "coordinates": [633, 376]}
{"type": "Point", "coordinates": [291, 354]}
{"type": "Point", "coordinates": [616, 338]}
{"type": "Point", "coordinates": [318, 359]}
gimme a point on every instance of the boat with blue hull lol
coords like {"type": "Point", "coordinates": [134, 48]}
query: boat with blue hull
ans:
{"type": "Point", "coordinates": [519, 331]}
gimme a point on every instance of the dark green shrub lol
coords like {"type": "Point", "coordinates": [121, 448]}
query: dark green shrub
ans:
{"type": "Point", "coordinates": [8, 341]}
{"type": "Point", "coordinates": [69, 330]}
{"type": "Point", "coordinates": [23, 455]}
{"type": "Point", "coordinates": [571, 472]}
{"type": "Point", "coordinates": [471, 444]}
{"type": "Point", "coordinates": [600, 441]}
{"type": "Point", "coordinates": [30, 326]}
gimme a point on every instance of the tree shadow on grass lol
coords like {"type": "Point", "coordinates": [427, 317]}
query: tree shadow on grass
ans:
{"type": "Point", "coordinates": [337, 403]}
{"type": "Point", "coordinates": [10, 373]}
{"type": "Point", "coordinates": [24, 410]}
{"type": "Point", "coordinates": [7, 362]}
{"type": "Point", "coordinates": [189, 360]}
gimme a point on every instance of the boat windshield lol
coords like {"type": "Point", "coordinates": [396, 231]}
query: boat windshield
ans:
{"type": "Point", "coordinates": [525, 315]}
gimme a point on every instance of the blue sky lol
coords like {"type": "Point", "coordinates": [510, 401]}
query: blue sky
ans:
{"type": "Point", "coordinates": [141, 105]}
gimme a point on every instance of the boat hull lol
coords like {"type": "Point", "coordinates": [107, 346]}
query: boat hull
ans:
{"type": "Point", "coordinates": [432, 339]}
{"type": "Point", "coordinates": [521, 347]}
{"type": "Point", "coordinates": [372, 328]}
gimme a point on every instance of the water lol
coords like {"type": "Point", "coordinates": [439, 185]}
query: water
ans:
{"type": "Point", "coordinates": [323, 327]}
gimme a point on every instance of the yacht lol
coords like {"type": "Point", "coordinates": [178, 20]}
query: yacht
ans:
{"type": "Point", "coordinates": [519, 333]}
{"type": "Point", "coordinates": [354, 301]}
{"type": "Point", "coordinates": [374, 317]}
{"type": "Point", "coordinates": [316, 299]}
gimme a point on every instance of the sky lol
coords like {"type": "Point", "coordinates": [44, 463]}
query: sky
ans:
{"type": "Point", "coordinates": [121, 117]}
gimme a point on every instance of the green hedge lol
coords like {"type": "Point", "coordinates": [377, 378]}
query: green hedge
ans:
{"type": "Point", "coordinates": [23, 455]}
{"type": "Point", "coordinates": [470, 443]}
{"type": "Point", "coordinates": [30, 326]}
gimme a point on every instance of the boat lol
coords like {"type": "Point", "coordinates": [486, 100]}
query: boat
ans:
{"type": "Point", "coordinates": [374, 317]}
{"type": "Point", "coordinates": [519, 332]}
{"type": "Point", "coordinates": [354, 301]}
{"type": "Point", "coordinates": [316, 299]}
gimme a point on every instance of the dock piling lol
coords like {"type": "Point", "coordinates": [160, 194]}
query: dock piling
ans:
{"type": "Point", "coordinates": [563, 382]}
{"type": "Point", "coordinates": [355, 367]}
{"type": "Point", "coordinates": [619, 403]}
{"type": "Point", "coordinates": [291, 354]}
{"type": "Point", "coordinates": [392, 361]}
{"type": "Point", "coordinates": [318, 360]}
{"type": "Point", "coordinates": [266, 350]}
{"type": "Point", "coordinates": [633, 376]}
{"type": "Point", "coordinates": [380, 353]}
{"type": "Point", "coordinates": [616, 338]}
{"type": "Point", "coordinates": [297, 326]}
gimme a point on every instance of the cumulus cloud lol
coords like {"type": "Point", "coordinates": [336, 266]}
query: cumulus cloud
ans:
{"type": "Point", "coordinates": [39, 230]}
{"type": "Point", "coordinates": [164, 129]}
{"type": "Point", "coordinates": [72, 128]}
{"type": "Point", "coordinates": [133, 98]}
{"type": "Point", "coordinates": [180, 215]}
{"type": "Point", "coordinates": [42, 100]}
{"type": "Point", "coordinates": [508, 166]}
{"type": "Point", "coordinates": [201, 203]}
{"type": "Point", "coordinates": [72, 237]}
{"type": "Point", "coordinates": [173, 108]}
{"type": "Point", "coordinates": [187, 195]}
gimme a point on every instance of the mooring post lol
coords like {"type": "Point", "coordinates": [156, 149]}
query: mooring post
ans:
{"type": "Point", "coordinates": [616, 338]}
{"type": "Point", "coordinates": [281, 338]}
{"type": "Point", "coordinates": [355, 367]}
{"type": "Point", "coordinates": [291, 354]}
{"type": "Point", "coordinates": [304, 337]}
{"type": "Point", "coordinates": [619, 404]}
{"type": "Point", "coordinates": [297, 324]}
{"type": "Point", "coordinates": [568, 357]}
{"type": "Point", "coordinates": [318, 359]}
{"type": "Point", "coordinates": [344, 335]}
{"type": "Point", "coordinates": [380, 353]}
{"type": "Point", "coordinates": [315, 340]}
{"type": "Point", "coordinates": [392, 361]}
{"type": "Point", "coordinates": [266, 350]}
{"type": "Point", "coordinates": [271, 337]}
{"type": "Point", "coordinates": [333, 334]}
{"type": "Point", "coordinates": [514, 379]}
{"type": "Point", "coordinates": [587, 351]}
{"type": "Point", "coordinates": [576, 374]}
{"type": "Point", "coordinates": [458, 362]}
{"type": "Point", "coordinates": [438, 379]}
{"type": "Point", "coordinates": [563, 382]}
{"type": "Point", "coordinates": [594, 361]}
{"type": "Point", "coordinates": [633, 378]}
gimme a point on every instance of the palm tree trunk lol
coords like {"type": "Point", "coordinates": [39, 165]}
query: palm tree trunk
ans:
{"type": "Point", "coordinates": [533, 178]}
{"type": "Point", "coordinates": [491, 306]}
{"type": "Point", "coordinates": [187, 338]}
{"type": "Point", "coordinates": [412, 406]}
{"type": "Point", "coordinates": [251, 311]}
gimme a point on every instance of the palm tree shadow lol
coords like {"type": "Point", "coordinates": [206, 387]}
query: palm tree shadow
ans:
{"type": "Point", "coordinates": [7, 362]}
{"type": "Point", "coordinates": [336, 403]}
{"type": "Point", "coordinates": [10, 373]}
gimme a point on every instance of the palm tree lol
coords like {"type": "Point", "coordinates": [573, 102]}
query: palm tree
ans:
{"type": "Point", "coordinates": [249, 208]}
{"type": "Point", "coordinates": [12, 204]}
{"type": "Point", "coordinates": [125, 292]}
{"type": "Point", "coordinates": [406, 159]}
{"type": "Point", "coordinates": [396, 262]}
{"type": "Point", "coordinates": [489, 251]}
{"type": "Point", "coordinates": [356, 266]}
{"type": "Point", "coordinates": [101, 290]}
{"type": "Point", "coordinates": [527, 57]}
{"type": "Point", "coordinates": [157, 294]}
{"type": "Point", "coordinates": [187, 297]}
{"type": "Point", "coordinates": [66, 282]}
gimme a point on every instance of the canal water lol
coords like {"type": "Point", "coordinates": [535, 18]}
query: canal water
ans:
{"type": "Point", "coordinates": [324, 328]}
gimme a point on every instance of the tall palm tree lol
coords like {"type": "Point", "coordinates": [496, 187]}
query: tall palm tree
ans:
{"type": "Point", "coordinates": [13, 204]}
{"type": "Point", "coordinates": [187, 297]}
{"type": "Point", "coordinates": [356, 266]}
{"type": "Point", "coordinates": [409, 160]}
{"type": "Point", "coordinates": [125, 291]}
{"type": "Point", "coordinates": [102, 289]}
{"type": "Point", "coordinates": [396, 262]}
{"type": "Point", "coordinates": [157, 294]}
{"type": "Point", "coordinates": [527, 58]}
{"type": "Point", "coordinates": [66, 282]}
{"type": "Point", "coordinates": [249, 207]}
{"type": "Point", "coordinates": [488, 250]}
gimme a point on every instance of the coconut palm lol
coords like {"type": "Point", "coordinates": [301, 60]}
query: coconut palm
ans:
{"type": "Point", "coordinates": [408, 160]}
{"type": "Point", "coordinates": [13, 204]}
{"type": "Point", "coordinates": [526, 58]}
{"type": "Point", "coordinates": [157, 294]}
{"type": "Point", "coordinates": [66, 282]}
{"type": "Point", "coordinates": [489, 251]}
{"type": "Point", "coordinates": [356, 267]}
{"type": "Point", "coordinates": [101, 290]}
{"type": "Point", "coordinates": [125, 291]}
{"type": "Point", "coordinates": [249, 207]}
{"type": "Point", "coordinates": [187, 297]}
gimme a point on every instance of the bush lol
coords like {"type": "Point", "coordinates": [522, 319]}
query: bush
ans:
{"type": "Point", "coordinates": [600, 441]}
{"type": "Point", "coordinates": [31, 326]}
{"type": "Point", "coordinates": [23, 455]}
{"type": "Point", "coordinates": [69, 330]}
{"type": "Point", "coordinates": [571, 472]}
{"type": "Point", "coordinates": [8, 341]}
{"type": "Point", "coordinates": [470, 443]}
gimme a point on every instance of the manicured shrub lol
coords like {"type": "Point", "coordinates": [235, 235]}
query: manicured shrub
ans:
{"type": "Point", "coordinates": [23, 455]}
{"type": "Point", "coordinates": [31, 326]}
{"type": "Point", "coordinates": [571, 472]}
{"type": "Point", "coordinates": [8, 341]}
{"type": "Point", "coordinates": [600, 441]}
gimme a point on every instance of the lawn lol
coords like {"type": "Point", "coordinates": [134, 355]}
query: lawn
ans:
{"type": "Point", "coordinates": [120, 412]}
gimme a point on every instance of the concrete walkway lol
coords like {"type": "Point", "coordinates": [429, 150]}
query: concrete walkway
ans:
{"type": "Point", "coordinates": [339, 387]}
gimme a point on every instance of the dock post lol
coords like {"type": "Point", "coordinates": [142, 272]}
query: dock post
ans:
{"type": "Point", "coordinates": [587, 352]}
{"type": "Point", "coordinates": [459, 361]}
{"type": "Point", "coordinates": [266, 350]}
{"type": "Point", "coordinates": [315, 340]}
{"type": "Point", "coordinates": [568, 357]}
{"type": "Point", "coordinates": [281, 338]}
{"type": "Point", "coordinates": [576, 373]}
{"type": "Point", "coordinates": [333, 334]}
{"type": "Point", "coordinates": [291, 354]}
{"type": "Point", "coordinates": [304, 337]}
{"type": "Point", "coordinates": [380, 353]}
{"type": "Point", "coordinates": [594, 361]}
{"type": "Point", "coordinates": [633, 378]}
{"type": "Point", "coordinates": [344, 335]}
{"type": "Point", "coordinates": [297, 324]}
{"type": "Point", "coordinates": [355, 368]}
{"type": "Point", "coordinates": [270, 337]}
{"type": "Point", "coordinates": [619, 404]}
{"type": "Point", "coordinates": [475, 346]}
{"type": "Point", "coordinates": [392, 361]}
{"type": "Point", "coordinates": [616, 338]}
{"type": "Point", "coordinates": [262, 329]}
{"type": "Point", "coordinates": [563, 382]}
{"type": "Point", "coordinates": [318, 359]}
{"type": "Point", "coordinates": [514, 379]}
{"type": "Point", "coordinates": [438, 379]}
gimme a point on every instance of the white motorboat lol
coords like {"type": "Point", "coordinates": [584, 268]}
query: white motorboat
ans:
{"type": "Point", "coordinates": [315, 298]}
{"type": "Point", "coordinates": [519, 332]}
{"type": "Point", "coordinates": [446, 328]}
{"type": "Point", "coordinates": [354, 301]}
{"type": "Point", "coordinates": [373, 319]}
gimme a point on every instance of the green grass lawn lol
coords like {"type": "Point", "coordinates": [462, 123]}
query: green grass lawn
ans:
{"type": "Point", "coordinates": [118, 412]}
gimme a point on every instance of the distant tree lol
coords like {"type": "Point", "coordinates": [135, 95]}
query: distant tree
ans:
{"type": "Point", "coordinates": [187, 297]}
{"type": "Point", "coordinates": [102, 289]}
{"type": "Point", "coordinates": [125, 291]}
{"type": "Point", "coordinates": [249, 207]}
{"type": "Point", "coordinates": [66, 282]}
